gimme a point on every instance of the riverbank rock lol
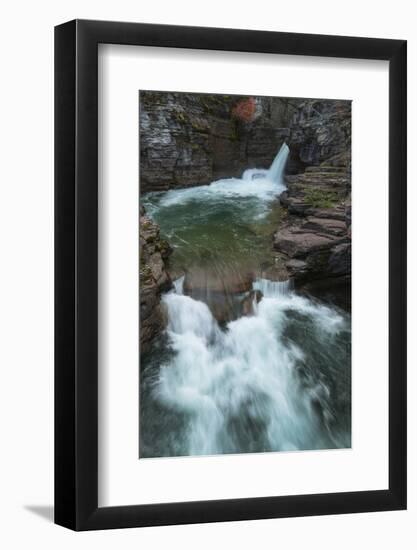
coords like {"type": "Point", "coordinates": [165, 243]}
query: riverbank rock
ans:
{"type": "Point", "coordinates": [315, 236]}
{"type": "Point", "coordinates": [153, 278]}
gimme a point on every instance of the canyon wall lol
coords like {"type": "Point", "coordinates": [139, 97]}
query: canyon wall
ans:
{"type": "Point", "coordinates": [315, 237]}
{"type": "Point", "coordinates": [153, 279]}
{"type": "Point", "coordinates": [194, 139]}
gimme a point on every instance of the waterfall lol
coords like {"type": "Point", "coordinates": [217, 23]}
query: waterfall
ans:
{"type": "Point", "coordinates": [179, 285]}
{"type": "Point", "coordinates": [272, 289]}
{"type": "Point", "coordinates": [275, 173]}
{"type": "Point", "coordinates": [276, 170]}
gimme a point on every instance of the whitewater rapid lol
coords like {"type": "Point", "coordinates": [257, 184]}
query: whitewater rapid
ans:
{"type": "Point", "coordinates": [239, 385]}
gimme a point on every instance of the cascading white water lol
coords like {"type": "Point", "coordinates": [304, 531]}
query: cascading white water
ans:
{"type": "Point", "coordinates": [272, 289]}
{"type": "Point", "coordinates": [179, 285]}
{"type": "Point", "coordinates": [254, 174]}
{"type": "Point", "coordinates": [247, 371]}
{"type": "Point", "coordinates": [276, 171]}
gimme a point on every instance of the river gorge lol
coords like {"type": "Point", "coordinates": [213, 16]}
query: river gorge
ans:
{"type": "Point", "coordinates": [249, 356]}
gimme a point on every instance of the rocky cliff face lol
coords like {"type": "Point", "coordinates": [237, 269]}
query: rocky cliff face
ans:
{"type": "Point", "coordinates": [320, 130]}
{"type": "Point", "coordinates": [154, 279]}
{"type": "Point", "coordinates": [194, 139]}
{"type": "Point", "coordinates": [315, 237]}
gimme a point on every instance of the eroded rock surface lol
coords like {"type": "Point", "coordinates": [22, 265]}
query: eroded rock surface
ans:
{"type": "Point", "coordinates": [317, 244]}
{"type": "Point", "coordinates": [194, 139]}
{"type": "Point", "coordinates": [154, 279]}
{"type": "Point", "coordinates": [316, 233]}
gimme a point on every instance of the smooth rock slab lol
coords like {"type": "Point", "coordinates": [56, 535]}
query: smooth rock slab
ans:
{"type": "Point", "coordinates": [297, 243]}
{"type": "Point", "coordinates": [325, 225]}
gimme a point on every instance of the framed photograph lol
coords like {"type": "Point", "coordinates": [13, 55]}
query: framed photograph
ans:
{"type": "Point", "coordinates": [230, 254]}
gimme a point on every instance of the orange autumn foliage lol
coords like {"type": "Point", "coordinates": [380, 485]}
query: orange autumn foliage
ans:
{"type": "Point", "coordinates": [245, 109]}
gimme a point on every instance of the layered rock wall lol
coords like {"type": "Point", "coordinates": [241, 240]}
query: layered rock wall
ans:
{"type": "Point", "coordinates": [194, 139]}
{"type": "Point", "coordinates": [315, 237]}
{"type": "Point", "coordinates": [153, 279]}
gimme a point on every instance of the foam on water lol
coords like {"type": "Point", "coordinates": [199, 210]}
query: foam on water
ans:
{"type": "Point", "coordinates": [261, 188]}
{"type": "Point", "coordinates": [262, 184]}
{"type": "Point", "coordinates": [247, 371]}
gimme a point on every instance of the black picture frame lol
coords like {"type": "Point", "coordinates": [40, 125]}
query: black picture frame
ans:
{"type": "Point", "coordinates": [76, 272]}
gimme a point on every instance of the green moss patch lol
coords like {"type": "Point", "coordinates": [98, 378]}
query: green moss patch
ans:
{"type": "Point", "coordinates": [318, 198]}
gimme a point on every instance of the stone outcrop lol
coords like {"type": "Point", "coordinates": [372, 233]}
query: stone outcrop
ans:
{"type": "Point", "coordinates": [315, 236]}
{"type": "Point", "coordinates": [154, 279]}
{"type": "Point", "coordinates": [320, 130]}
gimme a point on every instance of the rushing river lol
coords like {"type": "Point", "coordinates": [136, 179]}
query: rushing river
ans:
{"type": "Point", "coordinates": [220, 381]}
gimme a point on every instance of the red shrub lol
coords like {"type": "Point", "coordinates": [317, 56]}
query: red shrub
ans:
{"type": "Point", "coordinates": [245, 109]}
